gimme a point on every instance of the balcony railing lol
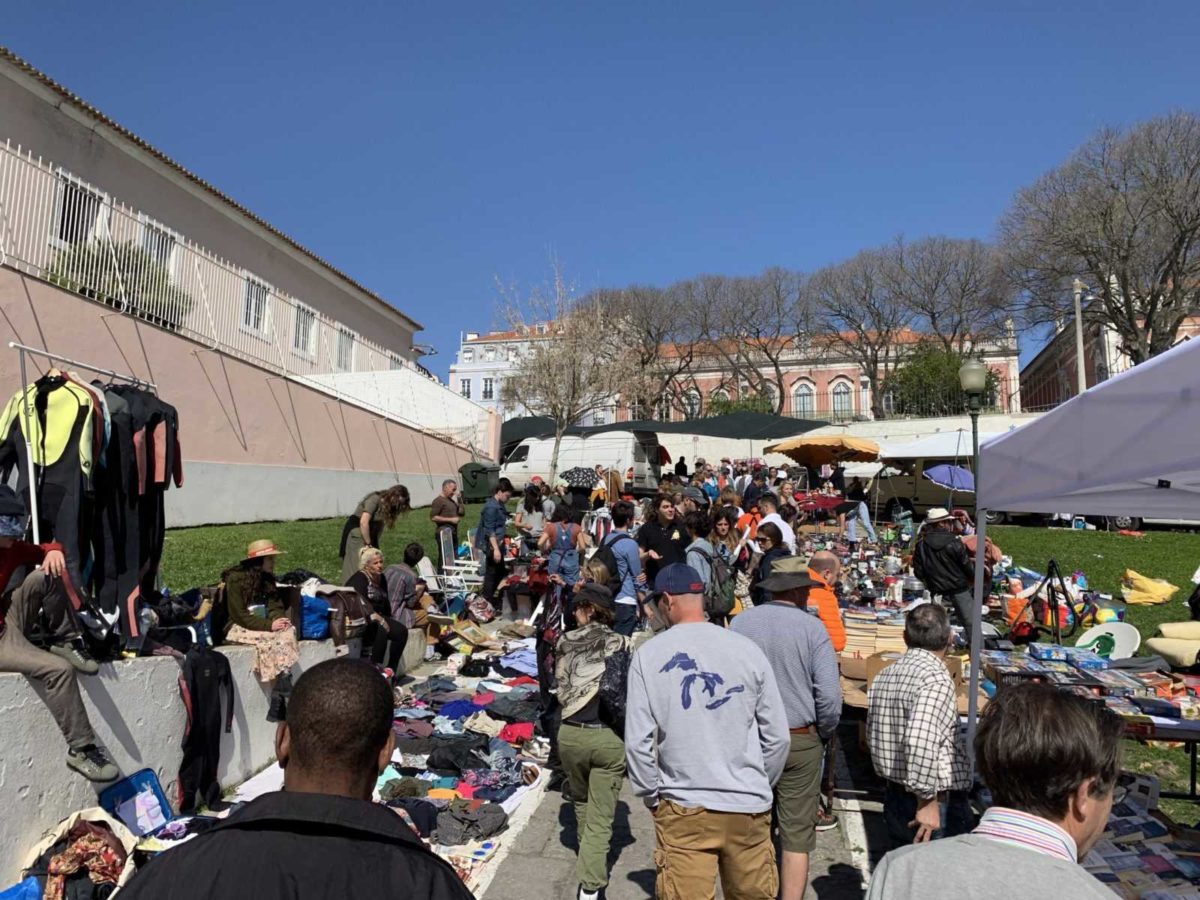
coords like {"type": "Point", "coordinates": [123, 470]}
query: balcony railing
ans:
{"type": "Point", "coordinates": [72, 234]}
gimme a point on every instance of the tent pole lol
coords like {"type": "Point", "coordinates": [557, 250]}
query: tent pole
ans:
{"type": "Point", "coordinates": [976, 635]}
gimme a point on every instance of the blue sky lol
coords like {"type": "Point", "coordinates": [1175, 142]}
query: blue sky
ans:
{"type": "Point", "coordinates": [431, 149]}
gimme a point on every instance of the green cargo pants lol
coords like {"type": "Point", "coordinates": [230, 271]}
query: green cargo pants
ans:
{"type": "Point", "coordinates": [594, 760]}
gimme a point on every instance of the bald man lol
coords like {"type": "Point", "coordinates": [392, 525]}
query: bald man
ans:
{"type": "Point", "coordinates": [824, 568]}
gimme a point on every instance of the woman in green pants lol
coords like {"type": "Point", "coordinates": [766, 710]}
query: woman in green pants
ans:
{"type": "Point", "coordinates": [593, 754]}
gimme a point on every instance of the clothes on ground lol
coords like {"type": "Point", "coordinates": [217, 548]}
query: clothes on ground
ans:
{"type": "Point", "coordinates": [802, 659]}
{"type": "Point", "coordinates": [523, 660]}
{"type": "Point", "coordinates": [465, 821]}
{"type": "Point", "coordinates": [912, 726]}
{"type": "Point", "coordinates": [292, 846]}
{"type": "Point", "coordinates": [698, 685]}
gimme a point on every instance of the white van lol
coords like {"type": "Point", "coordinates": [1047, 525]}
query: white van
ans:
{"type": "Point", "coordinates": [634, 454]}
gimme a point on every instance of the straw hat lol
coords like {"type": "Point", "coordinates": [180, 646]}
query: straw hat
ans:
{"type": "Point", "coordinates": [259, 549]}
{"type": "Point", "coordinates": [937, 514]}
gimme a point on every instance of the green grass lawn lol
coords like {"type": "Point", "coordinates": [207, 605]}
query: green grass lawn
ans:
{"type": "Point", "coordinates": [196, 556]}
{"type": "Point", "coordinates": [1103, 557]}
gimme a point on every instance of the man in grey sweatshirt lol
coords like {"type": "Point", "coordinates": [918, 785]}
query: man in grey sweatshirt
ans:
{"type": "Point", "coordinates": [706, 738]}
{"type": "Point", "coordinates": [1051, 761]}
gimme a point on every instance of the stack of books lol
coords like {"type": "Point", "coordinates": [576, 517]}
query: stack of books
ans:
{"type": "Point", "coordinates": [861, 633]}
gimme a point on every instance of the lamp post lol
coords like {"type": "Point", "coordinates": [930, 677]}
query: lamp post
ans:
{"type": "Point", "coordinates": [1082, 294]}
{"type": "Point", "coordinates": [972, 377]}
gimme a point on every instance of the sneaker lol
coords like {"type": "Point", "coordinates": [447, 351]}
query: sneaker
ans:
{"type": "Point", "coordinates": [92, 763]}
{"type": "Point", "coordinates": [588, 895]}
{"type": "Point", "coordinates": [77, 656]}
{"type": "Point", "coordinates": [827, 820]}
{"type": "Point", "coordinates": [430, 652]}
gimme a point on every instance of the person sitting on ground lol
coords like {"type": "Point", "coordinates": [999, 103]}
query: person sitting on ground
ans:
{"type": "Point", "coordinates": [1051, 761]}
{"type": "Point", "coordinates": [321, 836]}
{"type": "Point", "coordinates": [408, 597]}
{"type": "Point", "coordinates": [590, 744]}
{"type": "Point", "coordinates": [824, 569]}
{"type": "Point", "coordinates": [42, 594]}
{"type": "Point", "coordinates": [251, 583]}
{"type": "Point", "coordinates": [376, 511]}
{"type": "Point", "coordinates": [383, 626]}
{"type": "Point", "coordinates": [912, 730]}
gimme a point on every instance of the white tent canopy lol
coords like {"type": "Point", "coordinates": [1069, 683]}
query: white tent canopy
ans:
{"type": "Point", "coordinates": [944, 445]}
{"type": "Point", "coordinates": [1124, 447]}
{"type": "Point", "coordinates": [1127, 446]}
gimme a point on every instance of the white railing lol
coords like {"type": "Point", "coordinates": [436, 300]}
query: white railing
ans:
{"type": "Point", "coordinates": [72, 234]}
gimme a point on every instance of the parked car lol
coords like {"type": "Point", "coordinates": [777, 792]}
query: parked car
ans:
{"type": "Point", "coordinates": [901, 486]}
{"type": "Point", "coordinates": [634, 454]}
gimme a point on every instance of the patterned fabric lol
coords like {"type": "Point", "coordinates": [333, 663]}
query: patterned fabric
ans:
{"type": "Point", "coordinates": [579, 663]}
{"type": "Point", "coordinates": [90, 847]}
{"type": "Point", "coordinates": [277, 651]}
{"type": "Point", "coordinates": [912, 726]}
{"type": "Point", "coordinates": [1024, 830]}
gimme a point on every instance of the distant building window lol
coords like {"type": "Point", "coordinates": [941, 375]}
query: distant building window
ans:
{"type": "Point", "coordinates": [600, 417]}
{"type": "Point", "coordinates": [489, 354]}
{"type": "Point", "coordinates": [159, 243]}
{"type": "Point", "coordinates": [254, 306]}
{"type": "Point", "coordinates": [841, 400]}
{"type": "Point", "coordinates": [304, 330]}
{"type": "Point", "coordinates": [691, 405]}
{"type": "Point", "coordinates": [468, 354]}
{"type": "Point", "coordinates": [464, 387]}
{"type": "Point", "coordinates": [82, 212]}
{"type": "Point", "coordinates": [489, 389]}
{"type": "Point", "coordinates": [345, 350]}
{"type": "Point", "coordinates": [802, 401]}
{"type": "Point", "coordinates": [511, 352]}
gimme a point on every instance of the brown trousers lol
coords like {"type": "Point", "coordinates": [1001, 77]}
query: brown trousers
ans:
{"type": "Point", "coordinates": [695, 844]}
{"type": "Point", "coordinates": [40, 593]}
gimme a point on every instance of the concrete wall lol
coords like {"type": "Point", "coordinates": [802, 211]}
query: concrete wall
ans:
{"type": "Point", "coordinates": [135, 708]}
{"type": "Point", "coordinates": [255, 446]}
{"type": "Point", "coordinates": [38, 119]}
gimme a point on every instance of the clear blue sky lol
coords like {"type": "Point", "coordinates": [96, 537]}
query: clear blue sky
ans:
{"type": "Point", "coordinates": [430, 149]}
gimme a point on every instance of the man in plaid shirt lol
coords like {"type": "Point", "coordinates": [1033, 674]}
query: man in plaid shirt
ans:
{"type": "Point", "coordinates": [912, 731]}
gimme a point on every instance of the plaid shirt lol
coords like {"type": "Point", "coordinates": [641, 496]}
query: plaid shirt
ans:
{"type": "Point", "coordinates": [912, 726]}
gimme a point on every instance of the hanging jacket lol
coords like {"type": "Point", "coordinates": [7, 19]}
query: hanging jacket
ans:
{"type": "Point", "coordinates": [60, 419]}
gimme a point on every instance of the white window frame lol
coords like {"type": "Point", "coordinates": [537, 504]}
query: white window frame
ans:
{"type": "Point", "coordinates": [464, 387]}
{"type": "Point", "coordinates": [468, 354]}
{"type": "Point", "coordinates": [103, 209]}
{"type": "Point", "coordinates": [309, 350]}
{"type": "Point", "coordinates": [489, 354]}
{"type": "Point", "coordinates": [487, 390]}
{"type": "Point", "coordinates": [263, 329]}
{"type": "Point", "coordinates": [149, 225]}
{"type": "Point", "coordinates": [341, 333]}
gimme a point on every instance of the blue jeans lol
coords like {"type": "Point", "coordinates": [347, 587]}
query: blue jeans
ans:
{"type": "Point", "coordinates": [900, 808]}
{"type": "Point", "coordinates": [853, 517]}
{"type": "Point", "coordinates": [626, 619]}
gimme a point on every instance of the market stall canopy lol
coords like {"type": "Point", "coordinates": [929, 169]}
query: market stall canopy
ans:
{"type": "Point", "coordinates": [1124, 447]}
{"type": "Point", "coordinates": [944, 445]}
{"type": "Point", "coordinates": [739, 425]}
{"type": "Point", "coordinates": [827, 448]}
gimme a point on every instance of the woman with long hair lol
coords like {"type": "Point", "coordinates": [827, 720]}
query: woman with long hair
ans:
{"type": "Point", "coordinates": [770, 538]}
{"type": "Point", "coordinates": [590, 744]}
{"type": "Point", "coordinates": [382, 626]}
{"type": "Point", "coordinates": [531, 517]}
{"type": "Point", "coordinates": [376, 511]}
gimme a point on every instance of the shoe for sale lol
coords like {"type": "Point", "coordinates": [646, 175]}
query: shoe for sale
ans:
{"type": "Point", "coordinates": [92, 763]}
{"type": "Point", "coordinates": [588, 895]}
{"type": "Point", "coordinates": [77, 656]}
{"type": "Point", "coordinates": [430, 652]}
{"type": "Point", "coordinates": [826, 819]}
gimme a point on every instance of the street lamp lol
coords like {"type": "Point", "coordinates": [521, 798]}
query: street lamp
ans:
{"type": "Point", "coordinates": [972, 376]}
{"type": "Point", "coordinates": [1083, 294]}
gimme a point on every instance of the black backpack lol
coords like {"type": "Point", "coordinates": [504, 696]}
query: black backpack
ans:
{"type": "Point", "coordinates": [608, 559]}
{"type": "Point", "coordinates": [718, 593]}
{"type": "Point", "coordinates": [613, 685]}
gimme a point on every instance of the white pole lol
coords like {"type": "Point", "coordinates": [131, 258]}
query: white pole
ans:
{"type": "Point", "coordinates": [33, 503]}
{"type": "Point", "coordinates": [1080, 370]}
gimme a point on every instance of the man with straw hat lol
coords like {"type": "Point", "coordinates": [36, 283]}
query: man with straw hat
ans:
{"type": "Point", "coordinates": [798, 648]}
{"type": "Point", "coordinates": [943, 564]}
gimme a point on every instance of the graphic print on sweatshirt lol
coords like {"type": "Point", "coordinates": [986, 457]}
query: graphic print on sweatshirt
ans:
{"type": "Point", "coordinates": [709, 682]}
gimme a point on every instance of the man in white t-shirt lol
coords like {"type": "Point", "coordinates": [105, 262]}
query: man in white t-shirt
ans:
{"type": "Point", "coordinates": [768, 508]}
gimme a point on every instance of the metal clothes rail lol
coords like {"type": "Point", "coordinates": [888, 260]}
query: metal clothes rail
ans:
{"type": "Point", "coordinates": [27, 414]}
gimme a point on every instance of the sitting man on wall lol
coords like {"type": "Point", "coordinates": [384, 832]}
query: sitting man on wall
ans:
{"type": "Point", "coordinates": [42, 595]}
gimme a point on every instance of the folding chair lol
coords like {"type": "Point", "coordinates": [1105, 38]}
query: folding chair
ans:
{"type": "Point", "coordinates": [463, 573]}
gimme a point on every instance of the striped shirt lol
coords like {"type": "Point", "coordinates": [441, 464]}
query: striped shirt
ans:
{"type": "Point", "coordinates": [1021, 829]}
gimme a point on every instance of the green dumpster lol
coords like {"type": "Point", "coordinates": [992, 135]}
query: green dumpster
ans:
{"type": "Point", "coordinates": [478, 480]}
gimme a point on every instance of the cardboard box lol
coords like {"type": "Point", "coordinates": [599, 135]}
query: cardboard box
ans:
{"type": "Point", "coordinates": [880, 661]}
{"type": "Point", "coordinates": [853, 667]}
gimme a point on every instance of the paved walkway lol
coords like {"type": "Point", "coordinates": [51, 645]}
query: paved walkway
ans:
{"type": "Point", "coordinates": [540, 864]}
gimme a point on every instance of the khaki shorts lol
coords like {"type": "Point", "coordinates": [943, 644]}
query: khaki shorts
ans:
{"type": "Point", "coordinates": [797, 794]}
{"type": "Point", "coordinates": [694, 845]}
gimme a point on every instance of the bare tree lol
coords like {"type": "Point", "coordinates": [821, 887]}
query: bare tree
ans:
{"type": "Point", "coordinates": [956, 289]}
{"type": "Point", "coordinates": [569, 372]}
{"type": "Point", "coordinates": [862, 316]}
{"type": "Point", "coordinates": [749, 326]}
{"type": "Point", "coordinates": [1123, 213]}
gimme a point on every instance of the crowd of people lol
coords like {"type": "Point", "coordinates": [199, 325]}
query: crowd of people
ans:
{"type": "Point", "coordinates": [689, 645]}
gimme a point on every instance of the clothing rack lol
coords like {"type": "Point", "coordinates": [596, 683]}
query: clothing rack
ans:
{"type": "Point", "coordinates": [27, 414]}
